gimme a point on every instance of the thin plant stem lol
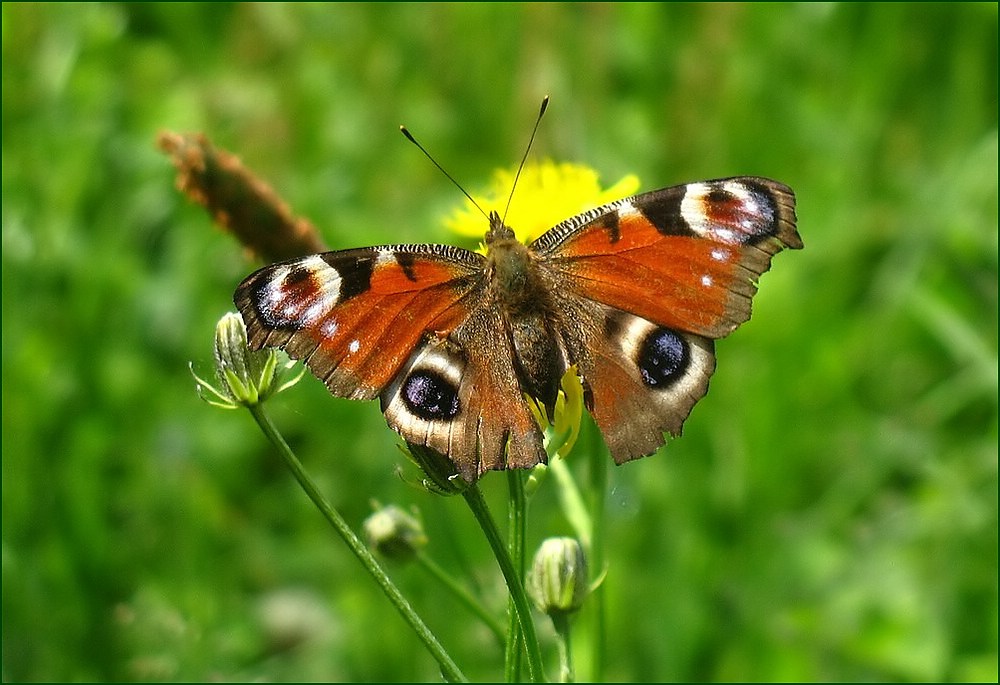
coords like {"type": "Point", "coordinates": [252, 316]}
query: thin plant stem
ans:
{"type": "Point", "coordinates": [463, 595]}
{"type": "Point", "coordinates": [449, 669]}
{"type": "Point", "coordinates": [572, 502]}
{"type": "Point", "coordinates": [598, 490]}
{"type": "Point", "coordinates": [561, 623]}
{"type": "Point", "coordinates": [474, 498]}
{"type": "Point", "coordinates": [516, 519]}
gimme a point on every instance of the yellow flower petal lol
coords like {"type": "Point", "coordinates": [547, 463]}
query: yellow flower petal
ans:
{"type": "Point", "coordinates": [547, 193]}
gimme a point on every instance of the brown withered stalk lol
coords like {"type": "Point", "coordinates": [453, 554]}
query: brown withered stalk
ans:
{"type": "Point", "coordinates": [238, 201]}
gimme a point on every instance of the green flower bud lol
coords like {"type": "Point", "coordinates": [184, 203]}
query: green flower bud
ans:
{"type": "Point", "coordinates": [394, 534]}
{"type": "Point", "coordinates": [246, 377]}
{"type": "Point", "coordinates": [558, 579]}
{"type": "Point", "coordinates": [243, 372]}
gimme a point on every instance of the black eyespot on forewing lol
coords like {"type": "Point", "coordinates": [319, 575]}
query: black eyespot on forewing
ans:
{"type": "Point", "coordinates": [663, 358]}
{"type": "Point", "coordinates": [766, 218]}
{"type": "Point", "coordinates": [719, 196]}
{"type": "Point", "coordinates": [430, 396]}
{"type": "Point", "coordinates": [297, 275]}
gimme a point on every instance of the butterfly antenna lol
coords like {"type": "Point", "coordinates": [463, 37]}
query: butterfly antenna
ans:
{"type": "Point", "coordinates": [538, 120]}
{"type": "Point", "coordinates": [409, 137]}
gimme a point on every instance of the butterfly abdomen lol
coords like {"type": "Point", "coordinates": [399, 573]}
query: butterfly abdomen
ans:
{"type": "Point", "coordinates": [526, 303]}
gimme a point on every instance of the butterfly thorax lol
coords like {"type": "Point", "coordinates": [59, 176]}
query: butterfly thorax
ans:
{"type": "Point", "coordinates": [521, 295]}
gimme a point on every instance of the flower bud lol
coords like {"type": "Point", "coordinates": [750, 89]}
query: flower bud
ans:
{"type": "Point", "coordinates": [394, 534]}
{"type": "Point", "coordinates": [246, 377]}
{"type": "Point", "coordinates": [558, 579]}
{"type": "Point", "coordinates": [237, 367]}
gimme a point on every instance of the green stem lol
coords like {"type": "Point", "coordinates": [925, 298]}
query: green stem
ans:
{"type": "Point", "coordinates": [449, 669]}
{"type": "Point", "coordinates": [463, 595]}
{"type": "Point", "coordinates": [561, 623]}
{"type": "Point", "coordinates": [474, 498]}
{"type": "Point", "coordinates": [598, 494]}
{"type": "Point", "coordinates": [517, 514]}
{"type": "Point", "coordinates": [572, 502]}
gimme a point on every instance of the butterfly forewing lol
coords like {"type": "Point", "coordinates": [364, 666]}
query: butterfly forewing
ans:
{"type": "Point", "coordinates": [685, 257]}
{"type": "Point", "coordinates": [355, 316]}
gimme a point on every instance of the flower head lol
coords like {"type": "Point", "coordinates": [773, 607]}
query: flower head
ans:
{"type": "Point", "coordinates": [546, 194]}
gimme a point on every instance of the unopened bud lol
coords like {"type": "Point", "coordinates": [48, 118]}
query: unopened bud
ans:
{"type": "Point", "coordinates": [558, 580]}
{"type": "Point", "coordinates": [246, 377]}
{"type": "Point", "coordinates": [394, 534]}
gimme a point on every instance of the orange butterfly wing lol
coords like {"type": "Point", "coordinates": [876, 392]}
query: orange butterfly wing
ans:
{"type": "Point", "coordinates": [413, 325]}
{"type": "Point", "coordinates": [649, 282]}
{"type": "Point", "coordinates": [636, 291]}
{"type": "Point", "coordinates": [686, 257]}
{"type": "Point", "coordinates": [355, 316]}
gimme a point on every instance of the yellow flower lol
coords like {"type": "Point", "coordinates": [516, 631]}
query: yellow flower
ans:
{"type": "Point", "coordinates": [561, 435]}
{"type": "Point", "coordinates": [546, 194]}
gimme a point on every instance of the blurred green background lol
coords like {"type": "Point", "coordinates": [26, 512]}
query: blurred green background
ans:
{"type": "Point", "coordinates": [829, 514]}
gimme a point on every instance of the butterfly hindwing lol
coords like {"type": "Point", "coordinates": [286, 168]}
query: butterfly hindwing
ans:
{"type": "Point", "coordinates": [642, 380]}
{"type": "Point", "coordinates": [460, 397]}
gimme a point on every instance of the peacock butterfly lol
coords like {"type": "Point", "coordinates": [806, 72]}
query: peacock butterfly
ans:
{"type": "Point", "coordinates": [633, 292]}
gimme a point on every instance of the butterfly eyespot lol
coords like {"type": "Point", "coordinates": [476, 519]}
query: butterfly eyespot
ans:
{"type": "Point", "coordinates": [430, 396]}
{"type": "Point", "coordinates": [734, 211]}
{"type": "Point", "coordinates": [663, 358]}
